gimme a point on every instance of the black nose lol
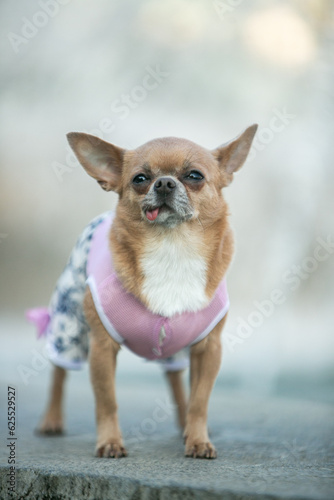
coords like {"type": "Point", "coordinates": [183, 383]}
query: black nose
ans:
{"type": "Point", "coordinates": [164, 185]}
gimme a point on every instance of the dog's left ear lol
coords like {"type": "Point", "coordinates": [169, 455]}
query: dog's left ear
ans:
{"type": "Point", "coordinates": [101, 160]}
{"type": "Point", "coordinates": [232, 155]}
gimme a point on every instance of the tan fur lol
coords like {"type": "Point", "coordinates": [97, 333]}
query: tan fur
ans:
{"type": "Point", "coordinates": [130, 232]}
{"type": "Point", "coordinates": [179, 397]}
{"type": "Point", "coordinates": [52, 422]}
{"type": "Point", "coordinates": [205, 359]}
{"type": "Point", "coordinates": [209, 234]}
{"type": "Point", "coordinates": [103, 353]}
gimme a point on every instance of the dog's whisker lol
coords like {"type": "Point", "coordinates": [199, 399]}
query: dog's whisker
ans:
{"type": "Point", "coordinates": [200, 222]}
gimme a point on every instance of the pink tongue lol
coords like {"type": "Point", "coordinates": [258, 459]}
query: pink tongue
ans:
{"type": "Point", "coordinates": [152, 214]}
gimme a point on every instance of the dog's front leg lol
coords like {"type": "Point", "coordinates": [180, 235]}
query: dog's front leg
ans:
{"type": "Point", "coordinates": [103, 354]}
{"type": "Point", "coordinates": [102, 369]}
{"type": "Point", "coordinates": [205, 358]}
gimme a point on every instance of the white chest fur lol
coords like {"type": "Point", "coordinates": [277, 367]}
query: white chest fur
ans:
{"type": "Point", "coordinates": [175, 276]}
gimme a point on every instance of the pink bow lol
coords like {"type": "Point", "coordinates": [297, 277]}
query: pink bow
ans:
{"type": "Point", "coordinates": [40, 317]}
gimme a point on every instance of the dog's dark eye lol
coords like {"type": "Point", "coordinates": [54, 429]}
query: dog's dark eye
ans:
{"type": "Point", "coordinates": [138, 179]}
{"type": "Point", "coordinates": [195, 175]}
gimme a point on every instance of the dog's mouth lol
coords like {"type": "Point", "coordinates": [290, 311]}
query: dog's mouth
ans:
{"type": "Point", "coordinates": [153, 212]}
{"type": "Point", "coordinates": [166, 215]}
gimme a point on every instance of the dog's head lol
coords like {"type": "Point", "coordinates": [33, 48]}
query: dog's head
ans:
{"type": "Point", "coordinates": [166, 181]}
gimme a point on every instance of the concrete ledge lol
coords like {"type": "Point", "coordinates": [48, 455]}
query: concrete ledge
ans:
{"type": "Point", "coordinates": [37, 486]}
{"type": "Point", "coordinates": [268, 448]}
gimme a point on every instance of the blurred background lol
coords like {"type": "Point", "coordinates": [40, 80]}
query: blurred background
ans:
{"type": "Point", "coordinates": [130, 71]}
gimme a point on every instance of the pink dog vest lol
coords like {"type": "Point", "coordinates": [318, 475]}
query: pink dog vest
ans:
{"type": "Point", "coordinates": [130, 323]}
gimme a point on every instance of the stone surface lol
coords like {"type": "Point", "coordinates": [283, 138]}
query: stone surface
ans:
{"type": "Point", "coordinates": [273, 441]}
{"type": "Point", "coordinates": [268, 447]}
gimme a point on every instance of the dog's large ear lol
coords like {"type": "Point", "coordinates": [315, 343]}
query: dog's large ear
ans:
{"type": "Point", "coordinates": [100, 159]}
{"type": "Point", "coordinates": [232, 155]}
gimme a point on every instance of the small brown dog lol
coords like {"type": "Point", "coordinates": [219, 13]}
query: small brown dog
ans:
{"type": "Point", "coordinates": [170, 244]}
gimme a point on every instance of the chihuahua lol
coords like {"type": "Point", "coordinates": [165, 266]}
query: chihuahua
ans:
{"type": "Point", "coordinates": [150, 276]}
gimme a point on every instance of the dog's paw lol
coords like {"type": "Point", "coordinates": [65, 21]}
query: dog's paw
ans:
{"type": "Point", "coordinates": [51, 426]}
{"type": "Point", "coordinates": [110, 450]}
{"type": "Point", "coordinates": [200, 450]}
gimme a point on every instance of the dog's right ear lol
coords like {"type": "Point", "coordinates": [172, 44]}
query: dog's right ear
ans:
{"type": "Point", "coordinates": [232, 155]}
{"type": "Point", "coordinates": [101, 160]}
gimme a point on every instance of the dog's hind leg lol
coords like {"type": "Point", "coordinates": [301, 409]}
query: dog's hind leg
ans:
{"type": "Point", "coordinates": [52, 422]}
{"type": "Point", "coordinates": [178, 393]}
